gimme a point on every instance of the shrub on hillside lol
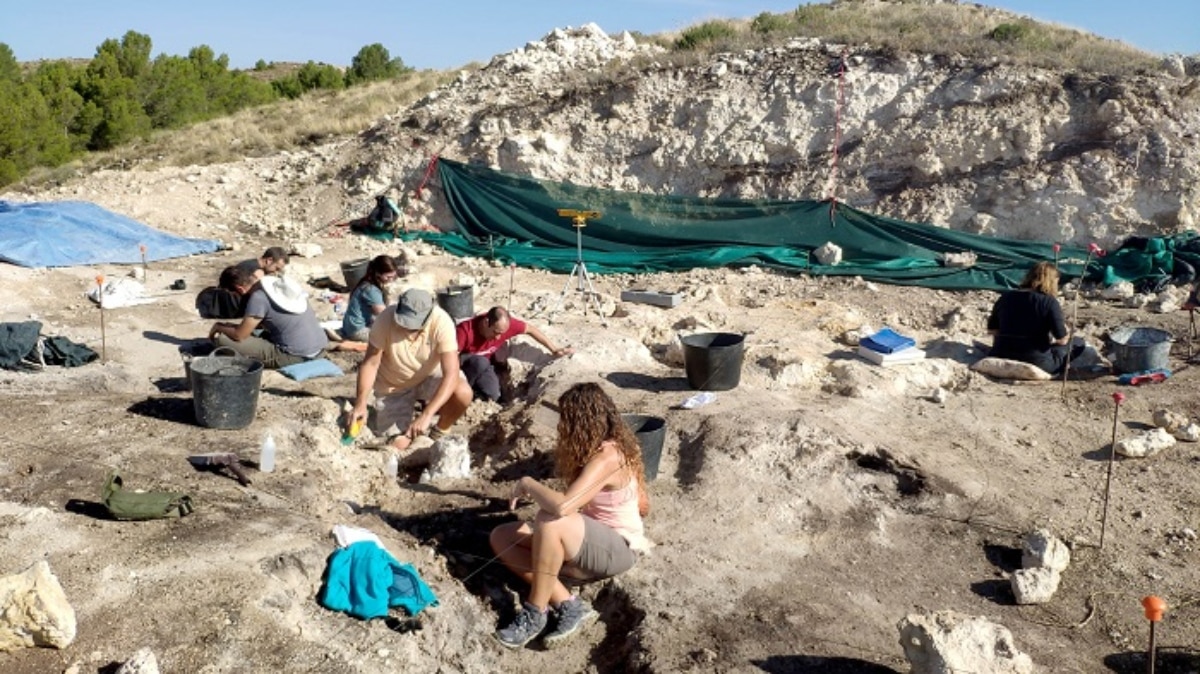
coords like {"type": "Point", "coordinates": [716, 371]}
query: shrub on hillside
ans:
{"type": "Point", "coordinates": [707, 33]}
{"type": "Point", "coordinates": [1009, 32]}
{"type": "Point", "coordinates": [767, 23]}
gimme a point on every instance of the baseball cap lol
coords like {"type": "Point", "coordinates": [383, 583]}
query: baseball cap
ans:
{"type": "Point", "coordinates": [413, 308]}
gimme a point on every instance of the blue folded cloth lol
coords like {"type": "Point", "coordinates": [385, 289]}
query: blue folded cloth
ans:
{"type": "Point", "coordinates": [309, 369]}
{"type": "Point", "coordinates": [888, 341]}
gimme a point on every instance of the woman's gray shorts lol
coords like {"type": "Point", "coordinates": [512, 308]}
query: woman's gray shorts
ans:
{"type": "Point", "coordinates": [604, 552]}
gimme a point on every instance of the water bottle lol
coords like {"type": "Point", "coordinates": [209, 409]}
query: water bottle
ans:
{"type": "Point", "coordinates": [266, 456]}
{"type": "Point", "coordinates": [393, 465]}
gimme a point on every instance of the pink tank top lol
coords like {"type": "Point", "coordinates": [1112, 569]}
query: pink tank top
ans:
{"type": "Point", "coordinates": [618, 510]}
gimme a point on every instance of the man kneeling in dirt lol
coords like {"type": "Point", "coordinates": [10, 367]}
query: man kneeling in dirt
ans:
{"type": "Point", "coordinates": [481, 347]}
{"type": "Point", "coordinates": [291, 332]}
{"type": "Point", "coordinates": [411, 355]}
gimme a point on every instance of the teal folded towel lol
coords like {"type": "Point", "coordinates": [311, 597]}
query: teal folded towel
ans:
{"type": "Point", "coordinates": [888, 341]}
{"type": "Point", "coordinates": [310, 369]}
{"type": "Point", "coordinates": [364, 580]}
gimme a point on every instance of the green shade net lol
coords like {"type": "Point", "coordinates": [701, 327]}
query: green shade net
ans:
{"type": "Point", "coordinates": [515, 219]}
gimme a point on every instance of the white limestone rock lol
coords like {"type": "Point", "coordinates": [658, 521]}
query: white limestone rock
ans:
{"type": "Point", "coordinates": [1043, 549]}
{"type": "Point", "coordinates": [142, 662]}
{"type": "Point", "coordinates": [948, 642]}
{"type": "Point", "coordinates": [1178, 425]}
{"type": "Point", "coordinates": [963, 259]}
{"type": "Point", "coordinates": [829, 254]}
{"type": "Point", "coordinates": [1120, 290]}
{"type": "Point", "coordinates": [1188, 433]}
{"type": "Point", "coordinates": [307, 249]}
{"type": "Point", "coordinates": [1035, 586]}
{"type": "Point", "coordinates": [1145, 444]}
{"type": "Point", "coordinates": [35, 610]}
{"type": "Point", "coordinates": [450, 458]}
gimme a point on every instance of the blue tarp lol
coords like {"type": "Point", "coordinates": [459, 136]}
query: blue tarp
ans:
{"type": "Point", "coordinates": [69, 233]}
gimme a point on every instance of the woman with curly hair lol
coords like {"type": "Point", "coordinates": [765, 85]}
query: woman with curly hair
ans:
{"type": "Point", "coordinates": [591, 531]}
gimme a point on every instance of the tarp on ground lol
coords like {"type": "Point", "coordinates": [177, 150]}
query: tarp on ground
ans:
{"type": "Point", "coordinates": [70, 233]}
{"type": "Point", "coordinates": [515, 219]}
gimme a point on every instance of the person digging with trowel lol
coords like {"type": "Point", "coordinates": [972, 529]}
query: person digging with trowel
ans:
{"type": "Point", "coordinates": [482, 344]}
{"type": "Point", "coordinates": [411, 355]}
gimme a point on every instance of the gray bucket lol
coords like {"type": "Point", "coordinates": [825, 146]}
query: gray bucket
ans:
{"type": "Point", "coordinates": [354, 271]}
{"type": "Point", "coordinates": [1140, 349]}
{"type": "Point", "coordinates": [225, 390]}
{"type": "Point", "coordinates": [650, 433]}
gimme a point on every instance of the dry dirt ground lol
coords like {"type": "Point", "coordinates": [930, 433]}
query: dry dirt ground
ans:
{"type": "Point", "coordinates": [797, 517]}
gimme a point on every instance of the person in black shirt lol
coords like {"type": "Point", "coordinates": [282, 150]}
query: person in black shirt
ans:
{"type": "Point", "coordinates": [272, 261]}
{"type": "Point", "coordinates": [1027, 323]}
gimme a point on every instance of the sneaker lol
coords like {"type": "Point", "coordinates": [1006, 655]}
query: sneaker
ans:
{"type": "Point", "coordinates": [530, 623]}
{"type": "Point", "coordinates": [572, 616]}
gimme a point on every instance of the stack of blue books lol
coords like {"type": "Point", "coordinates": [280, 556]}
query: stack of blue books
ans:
{"type": "Point", "coordinates": [888, 347]}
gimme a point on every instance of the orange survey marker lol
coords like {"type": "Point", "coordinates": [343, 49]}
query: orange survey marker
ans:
{"type": "Point", "coordinates": [1154, 608]}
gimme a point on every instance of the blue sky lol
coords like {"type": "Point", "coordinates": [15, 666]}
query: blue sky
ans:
{"type": "Point", "coordinates": [448, 34]}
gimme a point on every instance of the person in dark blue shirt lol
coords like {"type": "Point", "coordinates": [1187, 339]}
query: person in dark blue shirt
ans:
{"type": "Point", "coordinates": [1027, 323]}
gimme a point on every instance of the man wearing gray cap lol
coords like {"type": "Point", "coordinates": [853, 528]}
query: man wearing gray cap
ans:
{"type": "Point", "coordinates": [412, 354]}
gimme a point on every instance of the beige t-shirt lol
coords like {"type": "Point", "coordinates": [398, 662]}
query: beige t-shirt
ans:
{"type": "Point", "coordinates": [409, 360]}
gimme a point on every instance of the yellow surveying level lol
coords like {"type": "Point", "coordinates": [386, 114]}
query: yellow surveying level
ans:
{"type": "Point", "coordinates": [578, 218]}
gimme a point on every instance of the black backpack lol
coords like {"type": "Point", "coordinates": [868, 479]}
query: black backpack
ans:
{"type": "Point", "coordinates": [384, 215]}
{"type": "Point", "coordinates": [214, 302]}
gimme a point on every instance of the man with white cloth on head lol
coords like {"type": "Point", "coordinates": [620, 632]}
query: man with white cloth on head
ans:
{"type": "Point", "coordinates": [412, 354]}
{"type": "Point", "coordinates": [291, 332]}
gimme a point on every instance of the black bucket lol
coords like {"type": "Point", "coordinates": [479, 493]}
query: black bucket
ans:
{"type": "Point", "coordinates": [1140, 349]}
{"type": "Point", "coordinates": [458, 301]}
{"type": "Point", "coordinates": [188, 358]}
{"type": "Point", "coordinates": [713, 360]}
{"type": "Point", "coordinates": [354, 271]}
{"type": "Point", "coordinates": [650, 433]}
{"type": "Point", "coordinates": [225, 390]}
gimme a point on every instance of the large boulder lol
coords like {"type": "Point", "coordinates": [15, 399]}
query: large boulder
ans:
{"type": "Point", "coordinates": [36, 611]}
{"type": "Point", "coordinates": [948, 642]}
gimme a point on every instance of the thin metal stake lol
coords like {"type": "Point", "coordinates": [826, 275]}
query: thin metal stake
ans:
{"type": "Point", "coordinates": [1118, 398]}
{"type": "Point", "coordinates": [1191, 332]}
{"type": "Point", "coordinates": [100, 302]}
{"type": "Point", "coordinates": [512, 274]}
{"type": "Point", "coordinates": [1075, 318]}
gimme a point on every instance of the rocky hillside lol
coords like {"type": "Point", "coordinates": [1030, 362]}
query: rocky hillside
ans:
{"type": "Point", "coordinates": [991, 148]}
{"type": "Point", "coordinates": [982, 147]}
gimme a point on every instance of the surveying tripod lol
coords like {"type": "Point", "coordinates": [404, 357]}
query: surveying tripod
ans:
{"type": "Point", "coordinates": [579, 273]}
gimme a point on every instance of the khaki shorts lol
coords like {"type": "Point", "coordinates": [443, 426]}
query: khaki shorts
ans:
{"type": "Point", "coordinates": [604, 553]}
{"type": "Point", "coordinates": [394, 412]}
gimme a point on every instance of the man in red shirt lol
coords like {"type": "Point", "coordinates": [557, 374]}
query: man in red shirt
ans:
{"type": "Point", "coordinates": [479, 340]}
